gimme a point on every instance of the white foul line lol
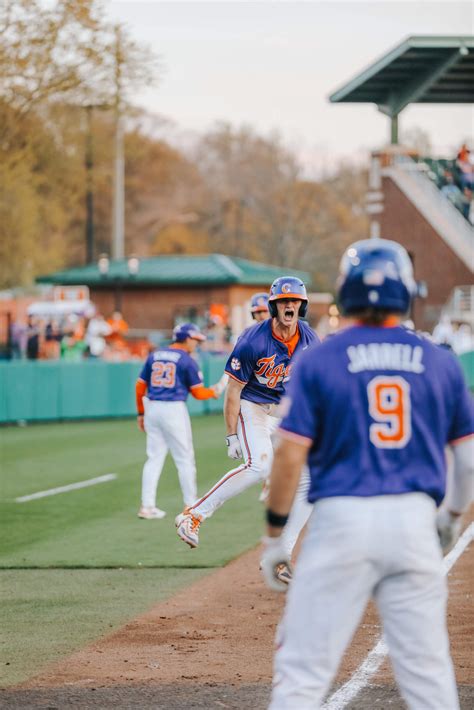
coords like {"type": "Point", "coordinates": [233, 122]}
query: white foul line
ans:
{"type": "Point", "coordinates": [374, 660]}
{"type": "Point", "coordinates": [70, 487]}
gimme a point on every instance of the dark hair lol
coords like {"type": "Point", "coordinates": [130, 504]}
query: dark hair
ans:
{"type": "Point", "coordinates": [373, 316]}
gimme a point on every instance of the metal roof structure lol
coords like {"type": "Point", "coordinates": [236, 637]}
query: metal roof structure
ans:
{"type": "Point", "coordinates": [182, 270]}
{"type": "Point", "coordinates": [422, 69]}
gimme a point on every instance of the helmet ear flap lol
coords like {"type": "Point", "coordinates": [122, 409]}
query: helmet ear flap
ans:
{"type": "Point", "coordinates": [303, 309]}
{"type": "Point", "coordinates": [272, 309]}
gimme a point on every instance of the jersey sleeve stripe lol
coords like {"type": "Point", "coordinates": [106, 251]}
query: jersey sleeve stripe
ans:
{"type": "Point", "coordinates": [242, 382]}
{"type": "Point", "coordinates": [454, 442]}
{"type": "Point", "coordinates": [199, 384]}
{"type": "Point", "coordinates": [291, 436]}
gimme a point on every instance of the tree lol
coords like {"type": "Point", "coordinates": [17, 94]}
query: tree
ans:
{"type": "Point", "coordinates": [54, 59]}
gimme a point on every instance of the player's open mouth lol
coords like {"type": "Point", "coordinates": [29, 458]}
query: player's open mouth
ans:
{"type": "Point", "coordinates": [289, 313]}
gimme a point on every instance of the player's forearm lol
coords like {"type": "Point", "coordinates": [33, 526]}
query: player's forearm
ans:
{"type": "Point", "coordinates": [232, 406]}
{"type": "Point", "coordinates": [201, 392]}
{"type": "Point", "coordinates": [140, 392]}
{"type": "Point", "coordinates": [461, 492]}
{"type": "Point", "coordinates": [290, 458]}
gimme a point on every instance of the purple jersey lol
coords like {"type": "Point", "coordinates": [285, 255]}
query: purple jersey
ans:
{"type": "Point", "coordinates": [169, 374]}
{"type": "Point", "coordinates": [379, 406]}
{"type": "Point", "coordinates": [263, 362]}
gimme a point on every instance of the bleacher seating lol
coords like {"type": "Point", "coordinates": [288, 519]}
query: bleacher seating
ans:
{"type": "Point", "coordinates": [437, 169]}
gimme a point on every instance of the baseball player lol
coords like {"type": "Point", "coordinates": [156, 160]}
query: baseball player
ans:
{"type": "Point", "coordinates": [168, 376]}
{"type": "Point", "coordinates": [259, 307]}
{"type": "Point", "coordinates": [258, 368]}
{"type": "Point", "coordinates": [371, 412]}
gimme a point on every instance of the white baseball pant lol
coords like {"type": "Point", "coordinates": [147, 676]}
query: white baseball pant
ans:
{"type": "Point", "coordinates": [384, 547]}
{"type": "Point", "coordinates": [256, 428]}
{"type": "Point", "coordinates": [168, 427]}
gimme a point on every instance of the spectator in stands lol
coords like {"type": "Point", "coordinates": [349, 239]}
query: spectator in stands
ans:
{"type": "Point", "coordinates": [463, 341]}
{"type": "Point", "coordinates": [452, 191]}
{"type": "Point", "coordinates": [443, 332]}
{"type": "Point", "coordinates": [52, 339]}
{"type": "Point", "coordinates": [117, 348]}
{"type": "Point", "coordinates": [32, 338]}
{"type": "Point", "coordinates": [97, 330]}
{"type": "Point", "coordinates": [73, 344]}
{"type": "Point", "coordinates": [18, 335]}
{"type": "Point", "coordinates": [467, 203]}
{"type": "Point", "coordinates": [465, 167]}
{"type": "Point", "coordinates": [118, 327]}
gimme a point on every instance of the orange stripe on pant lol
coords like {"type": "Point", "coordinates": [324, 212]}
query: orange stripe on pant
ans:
{"type": "Point", "coordinates": [231, 473]}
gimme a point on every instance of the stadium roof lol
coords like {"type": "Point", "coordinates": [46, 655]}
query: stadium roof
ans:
{"type": "Point", "coordinates": [422, 69]}
{"type": "Point", "coordinates": [186, 271]}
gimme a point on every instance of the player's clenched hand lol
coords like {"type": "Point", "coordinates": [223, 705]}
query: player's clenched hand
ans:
{"type": "Point", "coordinates": [449, 527]}
{"type": "Point", "coordinates": [273, 556]}
{"type": "Point", "coordinates": [234, 449]}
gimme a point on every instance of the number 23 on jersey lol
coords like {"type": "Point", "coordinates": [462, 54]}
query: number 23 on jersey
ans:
{"type": "Point", "coordinates": [390, 407]}
{"type": "Point", "coordinates": [163, 374]}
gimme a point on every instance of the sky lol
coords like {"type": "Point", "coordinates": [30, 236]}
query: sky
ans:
{"type": "Point", "coordinates": [272, 65]}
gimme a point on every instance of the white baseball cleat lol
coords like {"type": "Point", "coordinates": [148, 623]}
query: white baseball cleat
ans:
{"type": "Point", "coordinates": [151, 513]}
{"type": "Point", "coordinates": [187, 527]}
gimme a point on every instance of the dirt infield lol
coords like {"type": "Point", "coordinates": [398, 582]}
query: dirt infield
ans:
{"type": "Point", "coordinates": [211, 645]}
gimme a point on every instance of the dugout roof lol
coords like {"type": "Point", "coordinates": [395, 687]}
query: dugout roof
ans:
{"type": "Point", "coordinates": [422, 69]}
{"type": "Point", "coordinates": [183, 270]}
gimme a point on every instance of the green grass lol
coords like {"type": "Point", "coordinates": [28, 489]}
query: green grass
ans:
{"type": "Point", "coordinates": [98, 526]}
{"type": "Point", "coordinates": [46, 614]}
{"type": "Point", "coordinates": [76, 565]}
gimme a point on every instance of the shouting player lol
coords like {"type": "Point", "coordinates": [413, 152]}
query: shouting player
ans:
{"type": "Point", "coordinates": [168, 376]}
{"type": "Point", "coordinates": [259, 307]}
{"type": "Point", "coordinates": [371, 411]}
{"type": "Point", "coordinates": [259, 369]}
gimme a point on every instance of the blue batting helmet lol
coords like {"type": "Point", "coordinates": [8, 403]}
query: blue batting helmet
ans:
{"type": "Point", "coordinates": [288, 287]}
{"type": "Point", "coordinates": [259, 302]}
{"type": "Point", "coordinates": [375, 273]}
{"type": "Point", "coordinates": [187, 330]}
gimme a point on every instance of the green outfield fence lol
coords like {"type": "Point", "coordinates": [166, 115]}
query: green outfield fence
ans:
{"type": "Point", "coordinates": [54, 390]}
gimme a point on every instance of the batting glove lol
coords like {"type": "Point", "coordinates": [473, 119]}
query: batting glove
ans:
{"type": "Point", "coordinates": [449, 528]}
{"type": "Point", "coordinates": [273, 556]}
{"type": "Point", "coordinates": [234, 449]}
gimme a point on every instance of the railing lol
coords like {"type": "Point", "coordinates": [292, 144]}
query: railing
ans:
{"type": "Point", "coordinates": [436, 208]}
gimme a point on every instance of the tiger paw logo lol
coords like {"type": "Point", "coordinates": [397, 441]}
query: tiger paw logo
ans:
{"type": "Point", "coordinates": [235, 363]}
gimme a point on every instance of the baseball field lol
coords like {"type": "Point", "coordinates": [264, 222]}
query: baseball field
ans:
{"type": "Point", "coordinates": [101, 609]}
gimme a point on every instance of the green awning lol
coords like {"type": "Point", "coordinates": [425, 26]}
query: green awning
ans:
{"type": "Point", "coordinates": [183, 270]}
{"type": "Point", "coordinates": [422, 69]}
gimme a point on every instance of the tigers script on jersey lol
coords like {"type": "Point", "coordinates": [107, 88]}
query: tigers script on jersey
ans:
{"type": "Point", "coordinates": [385, 431]}
{"type": "Point", "coordinates": [169, 374]}
{"type": "Point", "coordinates": [263, 362]}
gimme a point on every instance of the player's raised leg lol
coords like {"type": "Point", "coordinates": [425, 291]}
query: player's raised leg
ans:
{"type": "Point", "coordinates": [254, 430]}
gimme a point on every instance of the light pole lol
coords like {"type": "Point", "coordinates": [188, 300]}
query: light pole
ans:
{"type": "Point", "coordinates": [89, 166]}
{"type": "Point", "coordinates": [118, 237]}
